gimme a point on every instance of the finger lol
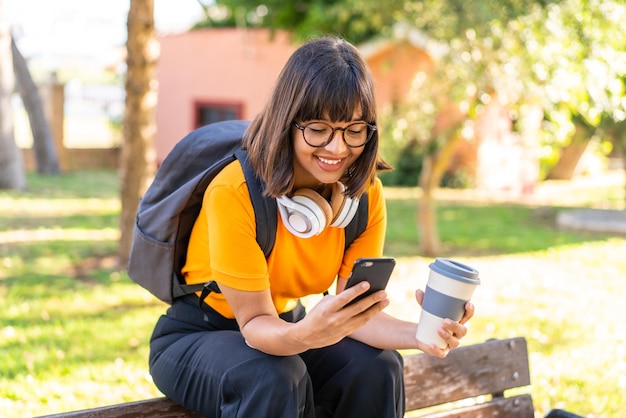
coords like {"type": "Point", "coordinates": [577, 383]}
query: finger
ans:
{"type": "Point", "coordinates": [436, 351]}
{"type": "Point", "coordinates": [369, 313]}
{"type": "Point", "coordinates": [376, 301]}
{"type": "Point", "coordinates": [419, 296]}
{"type": "Point", "coordinates": [456, 329]}
{"type": "Point", "coordinates": [469, 312]}
{"type": "Point", "coordinates": [370, 304]}
{"type": "Point", "coordinates": [349, 294]}
{"type": "Point", "coordinates": [449, 338]}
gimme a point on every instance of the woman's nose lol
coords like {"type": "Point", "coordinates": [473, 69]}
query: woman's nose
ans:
{"type": "Point", "coordinates": [337, 145]}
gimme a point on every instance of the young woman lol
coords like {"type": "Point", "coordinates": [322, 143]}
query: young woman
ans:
{"type": "Point", "coordinates": [254, 352]}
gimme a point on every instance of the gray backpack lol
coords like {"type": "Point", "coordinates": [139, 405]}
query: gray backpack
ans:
{"type": "Point", "coordinates": [168, 210]}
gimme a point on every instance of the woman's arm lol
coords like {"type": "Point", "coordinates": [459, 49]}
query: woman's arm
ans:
{"type": "Point", "coordinates": [326, 324]}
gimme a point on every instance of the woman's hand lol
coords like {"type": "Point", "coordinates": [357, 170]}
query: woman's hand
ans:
{"type": "Point", "coordinates": [452, 332]}
{"type": "Point", "coordinates": [331, 320]}
{"type": "Point", "coordinates": [326, 324]}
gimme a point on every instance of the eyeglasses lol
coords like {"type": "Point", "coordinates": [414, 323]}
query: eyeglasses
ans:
{"type": "Point", "coordinates": [320, 134]}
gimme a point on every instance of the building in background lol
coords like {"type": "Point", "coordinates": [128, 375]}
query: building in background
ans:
{"type": "Point", "coordinates": [209, 75]}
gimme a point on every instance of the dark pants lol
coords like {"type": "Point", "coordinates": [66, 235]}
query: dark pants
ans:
{"type": "Point", "coordinates": [207, 367]}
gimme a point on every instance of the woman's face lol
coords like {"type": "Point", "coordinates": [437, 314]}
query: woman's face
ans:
{"type": "Point", "coordinates": [325, 165]}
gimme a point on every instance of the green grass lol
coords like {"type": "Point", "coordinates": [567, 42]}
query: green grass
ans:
{"type": "Point", "coordinates": [74, 329]}
{"type": "Point", "coordinates": [470, 229]}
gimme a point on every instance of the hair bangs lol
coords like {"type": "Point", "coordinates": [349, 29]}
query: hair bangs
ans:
{"type": "Point", "coordinates": [335, 94]}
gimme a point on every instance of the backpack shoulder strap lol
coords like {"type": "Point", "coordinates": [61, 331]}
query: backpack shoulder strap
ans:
{"type": "Point", "coordinates": [266, 220]}
{"type": "Point", "coordinates": [358, 224]}
{"type": "Point", "coordinates": [265, 210]}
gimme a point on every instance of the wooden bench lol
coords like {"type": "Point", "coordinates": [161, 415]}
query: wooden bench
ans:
{"type": "Point", "coordinates": [470, 382]}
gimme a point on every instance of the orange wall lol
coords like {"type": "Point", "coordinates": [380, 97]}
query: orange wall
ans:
{"type": "Point", "coordinates": [236, 66]}
{"type": "Point", "coordinates": [214, 65]}
{"type": "Point", "coordinates": [394, 67]}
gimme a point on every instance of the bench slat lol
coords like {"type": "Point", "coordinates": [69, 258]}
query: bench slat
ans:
{"type": "Point", "coordinates": [514, 407]}
{"type": "Point", "coordinates": [160, 407]}
{"type": "Point", "coordinates": [469, 371]}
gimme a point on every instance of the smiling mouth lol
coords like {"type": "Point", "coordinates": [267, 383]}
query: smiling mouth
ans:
{"type": "Point", "coordinates": [329, 162]}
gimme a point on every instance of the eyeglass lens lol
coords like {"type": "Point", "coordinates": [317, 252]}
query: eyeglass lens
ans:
{"type": "Point", "coordinates": [318, 134]}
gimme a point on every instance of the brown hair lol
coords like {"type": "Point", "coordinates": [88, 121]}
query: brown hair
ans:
{"type": "Point", "coordinates": [325, 78]}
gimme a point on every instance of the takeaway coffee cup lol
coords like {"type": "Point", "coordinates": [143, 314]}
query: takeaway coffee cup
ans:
{"type": "Point", "coordinates": [450, 285]}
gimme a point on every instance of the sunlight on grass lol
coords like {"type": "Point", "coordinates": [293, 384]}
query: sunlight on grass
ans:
{"type": "Point", "coordinates": [64, 207]}
{"type": "Point", "coordinates": [58, 234]}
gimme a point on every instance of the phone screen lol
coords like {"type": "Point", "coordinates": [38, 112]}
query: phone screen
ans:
{"type": "Point", "coordinates": [376, 271]}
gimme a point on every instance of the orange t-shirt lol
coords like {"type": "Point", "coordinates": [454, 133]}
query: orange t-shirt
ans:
{"type": "Point", "coordinates": [223, 247]}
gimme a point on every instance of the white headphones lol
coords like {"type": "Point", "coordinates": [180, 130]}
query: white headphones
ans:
{"type": "Point", "coordinates": [307, 213]}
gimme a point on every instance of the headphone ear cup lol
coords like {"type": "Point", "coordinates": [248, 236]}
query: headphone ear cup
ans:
{"type": "Point", "coordinates": [337, 199]}
{"type": "Point", "coordinates": [307, 213]}
{"type": "Point", "coordinates": [348, 211]}
{"type": "Point", "coordinates": [299, 218]}
{"type": "Point", "coordinates": [344, 207]}
{"type": "Point", "coordinates": [314, 201]}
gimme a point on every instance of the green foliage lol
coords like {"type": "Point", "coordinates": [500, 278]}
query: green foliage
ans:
{"type": "Point", "coordinates": [407, 164]}
{"type": "Point", "coordinates": [567, 58]}
{"type": "Point", "coordinates": [577, 55]}
{"type": "Point", "coordinates": [361, 20]}
{"type": "Point", "coordinates": [355, 20]}
{"type": "Point", "coordinates": [458, 179]}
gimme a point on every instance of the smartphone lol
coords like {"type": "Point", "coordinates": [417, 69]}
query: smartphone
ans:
{"type": "Point", "coordinates": [376, 271]}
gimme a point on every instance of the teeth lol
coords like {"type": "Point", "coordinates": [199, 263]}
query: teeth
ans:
{"type": "Point", "coordinates": [331, 162]}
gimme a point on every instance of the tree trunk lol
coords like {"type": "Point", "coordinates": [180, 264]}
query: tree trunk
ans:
{"type": "Point", "coordinates": [138, 157]}
{"type": "Point", "coordinates": [617, 132]}
{"type": "Point", "coordinates": [433, 169]}
{"type": "Point", "coordinates": [12, 175]}
{"type": "Point", "coordinates": [427, 213]}
{"type": "Point", "coordinates": [43, 142]}
{"type": "Point", "coordinates": [620, 140]}
{"type": "Point", "coordinates": [571, 154]}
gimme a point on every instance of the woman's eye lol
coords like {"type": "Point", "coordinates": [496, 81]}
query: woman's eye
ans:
{"type": "Point", "coordinates": [318, 129]}
{"type": "Point", "coordinates": [357, 131]}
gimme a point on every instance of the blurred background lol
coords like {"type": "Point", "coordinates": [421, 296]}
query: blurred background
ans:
{"type": "Point", "coordinates": [505, 121]}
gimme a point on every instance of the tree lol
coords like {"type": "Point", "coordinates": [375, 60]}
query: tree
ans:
{"type": "Point", "coordinates": [569, 57]}
{"type": "Point", "coordinates": [474, 66]}
{"type": "Point", "coordinates": [138, 157]}
{"type": "Point", "coordinates": [617, 132]}
{"type": "Point", "coordinates": [577, 55]}
{"type": "Point", "coordinates": [43, 142]}
{"type": "Point", "coordinates": [12, 175]}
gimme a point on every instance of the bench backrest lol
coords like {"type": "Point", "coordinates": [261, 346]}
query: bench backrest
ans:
{"type": "Point", "coordinates": [471, 371]}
